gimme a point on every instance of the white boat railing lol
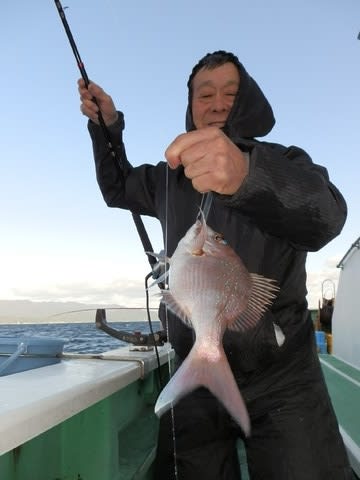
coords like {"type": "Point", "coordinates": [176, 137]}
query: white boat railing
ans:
{"type": "Point", "coordinates": [33, 401]}
{"type": "Point", "coordinates": [345, 321]}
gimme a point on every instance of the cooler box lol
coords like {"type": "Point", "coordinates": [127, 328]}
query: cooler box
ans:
{"type": "Point", "coordinates": [18, 354]}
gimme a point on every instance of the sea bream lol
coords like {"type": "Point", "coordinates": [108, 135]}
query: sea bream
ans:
{"type": "Point", "coordinates": [211, 290]}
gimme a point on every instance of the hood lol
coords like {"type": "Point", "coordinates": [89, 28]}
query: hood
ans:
{"type": "Point", "coordinates": [251, 115]}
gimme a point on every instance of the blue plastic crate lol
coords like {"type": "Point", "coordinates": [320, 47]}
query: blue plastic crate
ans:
{"type": "Point", "coordinates": [321, 343]}
{"type": "Point", "coordinates": [18, 354]}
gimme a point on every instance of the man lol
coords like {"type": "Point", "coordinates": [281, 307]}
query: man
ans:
{"type": "Point", "coordinates": [272, 204]}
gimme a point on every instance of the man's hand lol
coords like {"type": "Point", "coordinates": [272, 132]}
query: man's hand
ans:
{"type": "Point", "coordinates": [210, 160]}
{"type": "Point", "coordinates": [104, 102]}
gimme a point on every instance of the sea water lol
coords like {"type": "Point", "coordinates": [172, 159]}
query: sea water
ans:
{"type": "Point", "coordinates": [79, 337]}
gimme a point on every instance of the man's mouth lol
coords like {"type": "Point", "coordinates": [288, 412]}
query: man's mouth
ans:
{"type": "Point", "coordinates": [217, 124]}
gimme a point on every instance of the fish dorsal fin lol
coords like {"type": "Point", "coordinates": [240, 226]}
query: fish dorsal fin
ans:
{"type": "Point", "coordinates": [175, 307]}
{"type": "Point", "coordinates": [263, 292]}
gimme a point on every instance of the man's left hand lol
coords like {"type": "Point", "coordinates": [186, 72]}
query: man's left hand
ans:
{"type": "Point", "coordinates": [210, 160]}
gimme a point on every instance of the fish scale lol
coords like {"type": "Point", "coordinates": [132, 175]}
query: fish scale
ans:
{"type": "Point", "coordinates": [211, 290]}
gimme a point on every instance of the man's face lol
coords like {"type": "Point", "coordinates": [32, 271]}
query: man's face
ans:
{"type": "Point", "coordinates": [213, 95]}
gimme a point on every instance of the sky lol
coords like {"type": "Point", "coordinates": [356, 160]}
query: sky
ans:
{"type": "Point", "coordinates": [59, 240]}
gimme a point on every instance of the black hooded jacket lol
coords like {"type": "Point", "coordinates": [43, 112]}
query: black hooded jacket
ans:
{"type": "Point", "coordinates": [285, 207]}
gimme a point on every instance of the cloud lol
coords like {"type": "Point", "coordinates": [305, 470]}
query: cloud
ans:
{"type": "Point", "coordinates": [322, 282]}
{"type": "Point", "coordinates": [74, 279]}
{"type": "Point", "coordinates": [48, 278]}
{"type": "Point", "coordinates": [124, 292]}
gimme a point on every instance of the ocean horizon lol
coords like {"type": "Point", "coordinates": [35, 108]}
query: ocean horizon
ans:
{"type": "Point", "coordinates": [33, 312]}
{"type": "Point", "coordinates": [78, 337]}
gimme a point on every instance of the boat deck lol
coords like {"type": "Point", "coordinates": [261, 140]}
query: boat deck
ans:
{"type": "Point", "coordinates": [343, 381]}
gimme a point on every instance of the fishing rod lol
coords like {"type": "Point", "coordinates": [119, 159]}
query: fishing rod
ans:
{"type": "Point", "coordinates": [155, 270]}
{"type": "Point", "coordinates": [137, 219]}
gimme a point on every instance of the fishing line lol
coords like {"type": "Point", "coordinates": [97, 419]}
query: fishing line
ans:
{"type": "Point", "coordinates": [170, 372]}
{"type": "Point", "coordinates": [161, 384]}
{"type": "Point", "coordinates": [205, 205]}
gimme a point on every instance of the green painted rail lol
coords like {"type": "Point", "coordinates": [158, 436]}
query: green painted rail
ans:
{"type": "Point", "coordinates": [343, 382]}
{"type": "Point", "coordinates": [113, 439]}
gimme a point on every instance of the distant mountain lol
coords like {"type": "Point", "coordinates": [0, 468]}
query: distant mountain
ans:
{"type": "Point", "coordinates": [28, 308]}
{"type": "Point", "coordinates": [27, 311]}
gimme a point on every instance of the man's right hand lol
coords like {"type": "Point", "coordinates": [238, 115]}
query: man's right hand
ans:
{"type": "Point", "coordinates": [104, 103]}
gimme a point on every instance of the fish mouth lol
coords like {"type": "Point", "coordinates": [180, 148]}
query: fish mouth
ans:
{"type": "Point", "coordinates": [198, 252]}
{"type": "Point", "coordinates": [199, 238]}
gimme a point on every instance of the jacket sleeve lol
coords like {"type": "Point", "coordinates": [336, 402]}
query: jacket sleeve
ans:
{"type": "Point", "coordinates": [121, 184]}
{"type": "Point", "coordinates": [287, 195]}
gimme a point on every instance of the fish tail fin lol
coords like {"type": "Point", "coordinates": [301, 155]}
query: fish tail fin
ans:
{"type": "Point", "coordinates": [222, 385]}
{"type": "Point", "coordinates": [180, 384]}
{"type": "Point", "coordinates": [216, 376]}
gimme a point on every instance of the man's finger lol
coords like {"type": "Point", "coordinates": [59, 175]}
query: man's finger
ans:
{"type": "Point", "coordinates": [186, 140]}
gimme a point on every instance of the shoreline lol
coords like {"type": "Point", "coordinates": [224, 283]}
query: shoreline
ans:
{"type": "Point", "coordinates": [26, 312]}
{"type": "Point", "coordinates": [79, 317]}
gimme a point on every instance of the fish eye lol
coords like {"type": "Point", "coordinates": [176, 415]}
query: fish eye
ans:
{"type": "Point", "coordinates": [220, 238]}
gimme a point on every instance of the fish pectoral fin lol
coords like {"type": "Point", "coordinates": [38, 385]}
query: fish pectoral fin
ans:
{"type": "Point", "coordinates": [176, 308]}
{"type": "Point", "coordinates": [160, 271]}
{"type": "Point", "coordinates": [162, 279]}
{"type": "Point", "coordinates": [263, 292]}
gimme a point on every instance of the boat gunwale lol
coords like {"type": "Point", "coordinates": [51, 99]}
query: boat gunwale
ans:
{"type": "Point", "coordinates": [36, 400]}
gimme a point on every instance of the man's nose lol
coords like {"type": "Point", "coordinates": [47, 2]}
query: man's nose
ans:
{"type": "Point", "coordinates": [219, 103]}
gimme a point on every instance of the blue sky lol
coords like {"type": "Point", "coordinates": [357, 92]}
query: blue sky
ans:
{"type": "Point", "coordinates": [59, 241]}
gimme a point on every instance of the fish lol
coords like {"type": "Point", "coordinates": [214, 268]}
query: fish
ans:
{"type": "Point", "coordinates": [211, 290]}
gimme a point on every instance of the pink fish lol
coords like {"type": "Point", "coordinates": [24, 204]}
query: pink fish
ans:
{"type": "Point", "coordinates": [211, 290]}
